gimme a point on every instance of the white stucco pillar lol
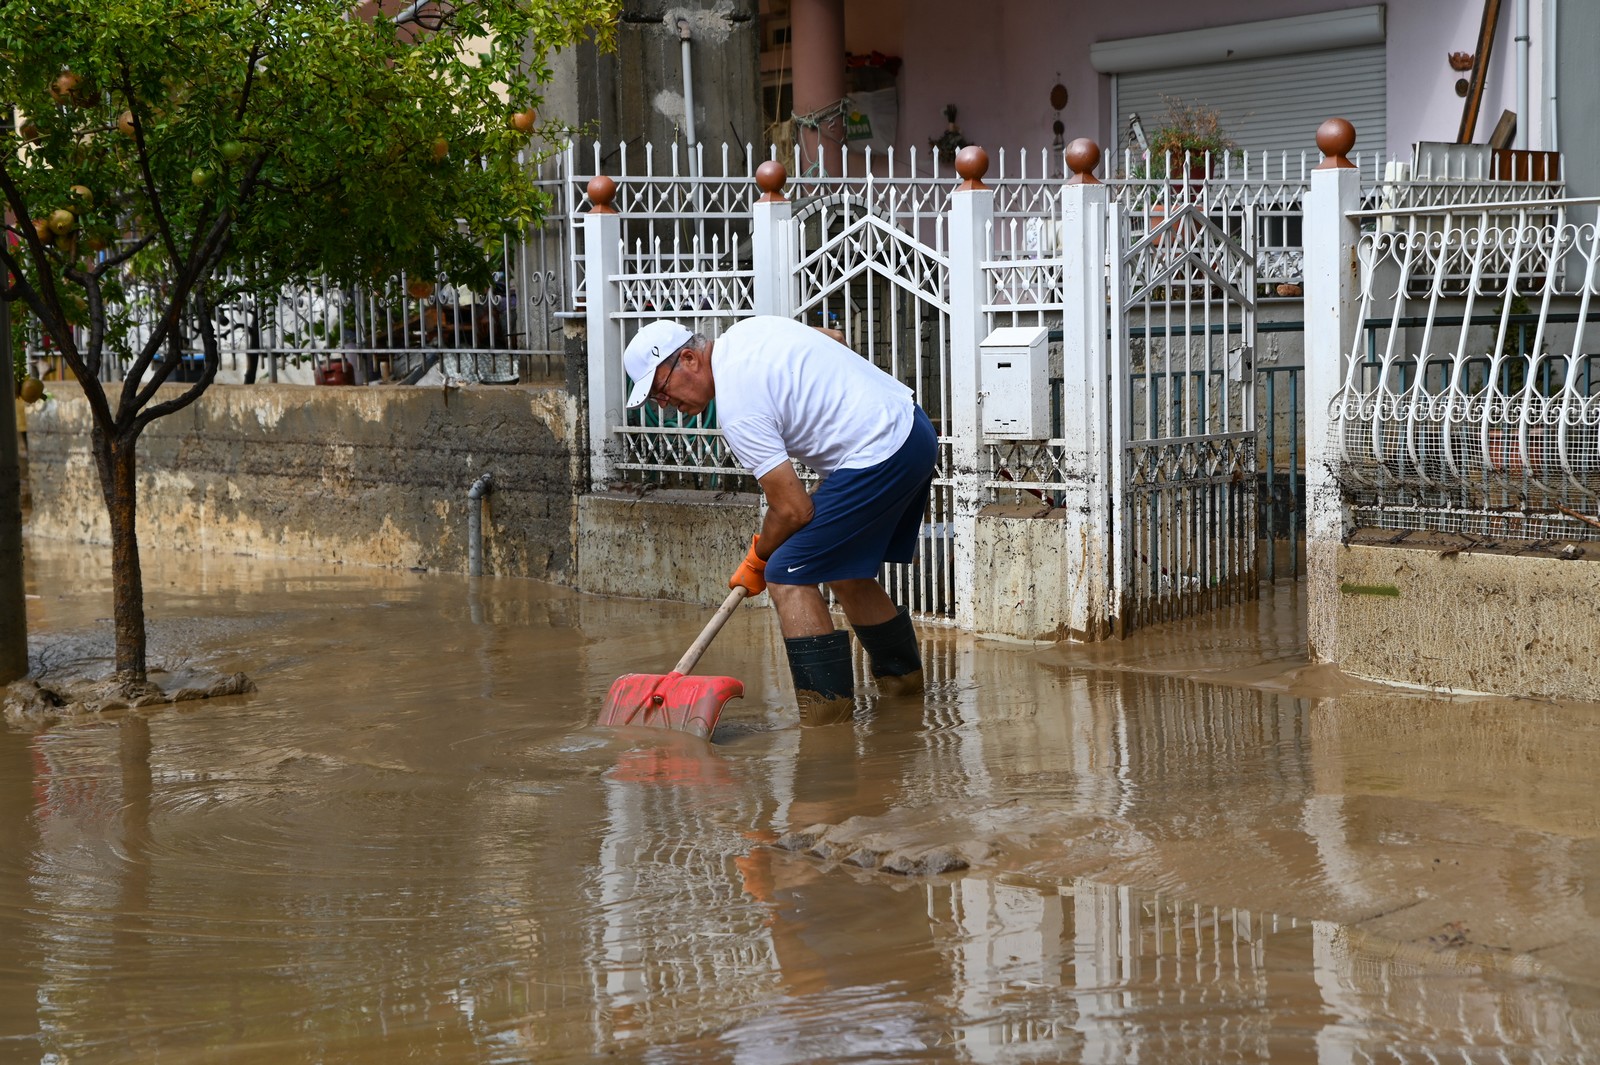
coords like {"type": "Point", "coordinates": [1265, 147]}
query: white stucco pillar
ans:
{"type": "Point", "coordinates": [608, 383]}
{"type": "Point", "coordinates": [772, 253]}
{"type": "Point", "coordinates": [1089, 448]}
{"type": "Point", "coordinates": [971, 213]}
{"type": "Point", "coordinates": [1332, 303]}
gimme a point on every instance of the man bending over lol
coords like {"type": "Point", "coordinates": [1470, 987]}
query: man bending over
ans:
{"type": "Point", "coordinates": [786, 392]}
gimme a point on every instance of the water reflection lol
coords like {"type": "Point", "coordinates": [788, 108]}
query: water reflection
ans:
{"type": "Point", "coordinates": [19, 843]}
{"type": "Point", "coordinates": [1094, 972]}
{"type": "Point", "coordinates": [411, 843]}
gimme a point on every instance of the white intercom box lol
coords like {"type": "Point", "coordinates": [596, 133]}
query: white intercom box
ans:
{"type": "Point", "coordinates": [1014, 364]}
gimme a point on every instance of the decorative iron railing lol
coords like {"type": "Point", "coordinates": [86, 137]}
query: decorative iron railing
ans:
{"type": "Point", "coordinates": [1472, 398]}
{"type": "Point", "coordinates": [691, 252]}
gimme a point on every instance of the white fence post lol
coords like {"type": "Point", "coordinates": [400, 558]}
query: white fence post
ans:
{"type": "Point", "coordinates": [1088, 449]}
{"type": "Point", "coordinates": [1332, 303]}
{"type": "Point", "coordinates": [772, 244]}
{"type": "Point", "coordinates": [971, 213]}
{"type": "Point", "coordinates": [608, 385]}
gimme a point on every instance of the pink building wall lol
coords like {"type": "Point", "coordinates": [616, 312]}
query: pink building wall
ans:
{"type": "Point", "coordinates": [997, 61]}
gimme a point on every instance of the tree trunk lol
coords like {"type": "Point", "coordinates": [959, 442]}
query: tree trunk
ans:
{"type": "Point", "coordinates": [253, 331]}
{"type": "Point", "coordinates": [13, 604]}
{"type": "Point", "coordinates": [116, 457]}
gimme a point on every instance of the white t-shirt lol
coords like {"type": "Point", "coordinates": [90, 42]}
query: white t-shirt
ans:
{"type": "Point", "coordinates": [786, 391]}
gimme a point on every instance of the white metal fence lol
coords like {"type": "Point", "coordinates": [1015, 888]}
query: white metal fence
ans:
{"type": "Point", "coordinates": [394, 330]}
{"type": "Point", "coordinates": [1469, 402]}
{"type": "Point", "coordinates": [1264, 193]}
{"type": "Point", "coordinates": [1471, 397]}
{"type": "Point", "coordinates": [876, 253]}
{"type": "Point", "coordinates": [686, 230]}
{"type": "Point", "coordinates": [1183, 312]}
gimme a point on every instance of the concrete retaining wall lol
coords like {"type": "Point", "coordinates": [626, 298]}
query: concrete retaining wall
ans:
{"type": "Point", "coordinates": [663, 545]}
{"type": "Point", "coordinates": [681, 546]}
{"type": "Point", "coordinates": [377, 476]}
{"type": "Point", "coordinates": [1505, 624]}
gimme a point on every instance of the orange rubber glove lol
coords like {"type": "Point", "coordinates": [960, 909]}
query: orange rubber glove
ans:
{"type": "Point", "coordinates": [749, 573]}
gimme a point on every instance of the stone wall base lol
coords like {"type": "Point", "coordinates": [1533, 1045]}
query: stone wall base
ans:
{"type": "Point", "coordinates": [674, 545]}
{"type": "Point", "coordinates": [1459, 620]}
{"type": "Point", "coordinates": [377, 476]}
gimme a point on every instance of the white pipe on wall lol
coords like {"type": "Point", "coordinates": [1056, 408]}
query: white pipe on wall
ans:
{"type": "Point", "coordinates": [1523, 118]}
{"type": "Point", "coordinates": [688, 95]}
{"type": "Point", "coordinates": [1552, 129]}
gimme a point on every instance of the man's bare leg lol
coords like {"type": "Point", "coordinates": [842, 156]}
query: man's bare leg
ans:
{"type": "Point", "coordinates": [864, 601]}
{"type": "Point", "coordinates": [801, 610]}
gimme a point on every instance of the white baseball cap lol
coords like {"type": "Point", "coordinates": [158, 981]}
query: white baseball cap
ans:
{"type": "Point", "coordinates": [649, 348]}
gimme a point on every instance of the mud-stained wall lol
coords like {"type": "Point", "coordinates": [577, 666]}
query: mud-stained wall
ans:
{"type": "Point", "coordinates": [674, 545]}
{"type": "Point", "coordinates": [683, 545]}
{"type": "Point", "coordinates": [377, 476]}
{"type": "Point", "coordinates": [680, 545]}
{"type": "Point", "coordinates": [1022, 559]}
{"type": "Point", "coordinates": [1466, 622]}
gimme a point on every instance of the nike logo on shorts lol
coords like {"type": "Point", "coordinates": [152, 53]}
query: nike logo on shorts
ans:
{"type": "Point", "coordinates": [801, 566]}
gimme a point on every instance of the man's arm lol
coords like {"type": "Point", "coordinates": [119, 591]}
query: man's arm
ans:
{"type": "Point", "coordinates": [788, 508]}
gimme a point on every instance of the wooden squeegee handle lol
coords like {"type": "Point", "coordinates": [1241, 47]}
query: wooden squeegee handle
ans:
{"type": "Point", "coordinates": [707, 634]}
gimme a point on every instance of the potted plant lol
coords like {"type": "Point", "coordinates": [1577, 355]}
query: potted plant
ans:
{"type": "Point", "coordinates": [1188, 142]}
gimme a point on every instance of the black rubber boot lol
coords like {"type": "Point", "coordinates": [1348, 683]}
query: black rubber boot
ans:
{"type": "Point", "coordinates": [824, 677]}
{"type": "Point", "coordinates": [895, 656]}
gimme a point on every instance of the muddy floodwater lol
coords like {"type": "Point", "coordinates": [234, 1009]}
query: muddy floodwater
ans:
{"type": "Point", "coordinates": [410, 843]}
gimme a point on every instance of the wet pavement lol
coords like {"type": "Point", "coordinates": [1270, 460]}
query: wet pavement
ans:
{"type": "Point", "coordinates": [410, 843]}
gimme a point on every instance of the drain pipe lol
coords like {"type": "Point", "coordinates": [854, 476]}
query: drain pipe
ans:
{"type": "Point", "coordinates": [475, 494]}
{"type": "Point", "coordinates": [1523, 41]}
{"type": "Point", "coordinates": [1552, 125]}
{"type": "Point", "coordinates": [688, 95]}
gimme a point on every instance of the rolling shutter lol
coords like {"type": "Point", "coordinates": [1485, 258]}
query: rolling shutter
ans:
{"type": "Point", "coordinates": [1270, 104]}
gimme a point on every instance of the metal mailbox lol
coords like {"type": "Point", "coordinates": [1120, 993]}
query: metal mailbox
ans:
{"type": "Point", "coordinates": [1014, 364]}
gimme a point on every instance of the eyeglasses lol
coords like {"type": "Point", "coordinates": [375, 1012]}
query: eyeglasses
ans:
{"type": "Point", "coordinates": [658, 394]}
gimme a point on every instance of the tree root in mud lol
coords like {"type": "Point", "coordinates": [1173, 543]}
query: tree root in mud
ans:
{"type": "Point", "coordinates": [29, 702]}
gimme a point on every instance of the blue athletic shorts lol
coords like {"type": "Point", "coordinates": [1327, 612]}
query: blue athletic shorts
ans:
{"type": "Point", "coordinates": [862, 518]}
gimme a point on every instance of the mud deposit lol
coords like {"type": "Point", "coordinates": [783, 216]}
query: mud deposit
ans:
{"type": "Point", "coordinates": [409, 843]}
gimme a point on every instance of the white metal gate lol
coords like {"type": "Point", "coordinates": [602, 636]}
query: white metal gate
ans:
{"type": "Point", "coordinates": [882, 277]}
{"type": "Point", "coordinates": [1183, 326]}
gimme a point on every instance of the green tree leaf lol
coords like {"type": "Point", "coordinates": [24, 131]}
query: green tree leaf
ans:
{"type": "Point", "coordinates": [204, 148]}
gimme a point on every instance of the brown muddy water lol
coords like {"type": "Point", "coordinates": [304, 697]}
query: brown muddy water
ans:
{"type": "Point", "coordinates": [412, 844]}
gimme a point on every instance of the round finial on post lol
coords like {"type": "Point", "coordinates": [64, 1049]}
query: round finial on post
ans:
{"type": "Point", "coordinates": [972, 162]}
{"type": "Point", "coordinates": [602, 190]}
{"type": "Point", "coordinates": [1335, 138]}
{"type": "Point", "coordinates": [1083, 155]}
{"type": "Point", "coordinates": [770, 179]}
